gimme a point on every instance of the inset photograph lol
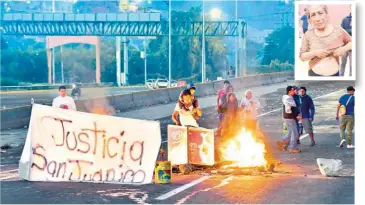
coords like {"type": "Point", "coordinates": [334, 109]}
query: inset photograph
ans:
{"type": "Point", "coordinates": [325, 40]}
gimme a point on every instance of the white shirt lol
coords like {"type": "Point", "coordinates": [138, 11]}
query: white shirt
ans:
{"type": "Point", "coordinates": [186, 116]}
{"type": "Point", "coordinates": [64, 101]}
{"type": "Point", "coordinates": [251, 106]}
{"type": "Point", "coordinates": [288, 102]}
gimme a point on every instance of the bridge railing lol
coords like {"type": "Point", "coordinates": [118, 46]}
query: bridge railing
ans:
{"type": "Point", "coordinates": [65, 17]}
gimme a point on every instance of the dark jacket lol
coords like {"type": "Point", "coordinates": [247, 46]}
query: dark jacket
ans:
{"type": "Point", "coordinates": [297, 102]}
{"type": "Point", "coordinates": [346, 24]}
{"type": "Point", "coordinates": [223, 99]}
{"type": "Point", "coordinates": [307, 106]}
{"type": "Point", "coordinates": [230, 107]}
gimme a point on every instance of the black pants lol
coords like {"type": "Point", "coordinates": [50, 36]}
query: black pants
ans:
{"type": "Point", "coordinates": [311, 73]}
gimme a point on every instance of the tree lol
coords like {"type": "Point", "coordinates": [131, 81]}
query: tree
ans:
{"type": "Point", "coordinates": [279, 45]}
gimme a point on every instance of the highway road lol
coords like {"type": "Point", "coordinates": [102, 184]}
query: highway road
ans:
{"type": "Point", "coordinates": [295, 180]}
{"type": "Point", "coordinates": [12, 99]}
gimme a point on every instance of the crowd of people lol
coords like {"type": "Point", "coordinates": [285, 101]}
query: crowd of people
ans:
{"type": "Point", "coordinates": [327, 47]}
{"type": "Point", "coordinates": [298, 111]}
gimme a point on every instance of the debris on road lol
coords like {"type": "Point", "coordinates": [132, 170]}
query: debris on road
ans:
{"type": "Point", "coordinates": [329, 167]}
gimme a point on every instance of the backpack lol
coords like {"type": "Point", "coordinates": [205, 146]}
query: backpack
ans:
{"type": "Point", "coordinates": [343, 107]}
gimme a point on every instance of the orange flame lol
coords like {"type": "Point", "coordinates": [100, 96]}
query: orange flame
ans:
{"type": "Point", "coordinates": [244, 150]}
{"type": "Point", "coordinates": [99, 110]}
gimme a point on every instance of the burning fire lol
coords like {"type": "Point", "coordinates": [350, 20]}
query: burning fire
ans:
{"type": "Point", "coordinates": [244, 150]}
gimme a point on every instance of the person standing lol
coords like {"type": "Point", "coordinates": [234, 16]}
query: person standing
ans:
{"type": "Point", "coordinates": [304, 21]}
{"type": "Point", "coordinates": [230, 108]}
{"type": "Point", "coordinates": [290, 115]}
{"type": "Point", "coordinates": [191, 87]}
{"type": "Point", "coordinates": [323, 45]}
{"type": "Point", "coordinates": [187, 114]}
{"type": "Point", "coordinates": [63, 101]}
{"type": "Point", "coordinates": [307, 112]}
{"type": "Point", "coordinates": [221, 92]}
{"type": "Point", "coordinates": [346, 108]}
{"type": "Point", "coordinates": [347, 25]}
{"type": "Point", "coordinates": [250, 106]}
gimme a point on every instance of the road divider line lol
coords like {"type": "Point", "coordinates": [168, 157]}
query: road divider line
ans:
{"type": "Point", "coordinates": [182, 188]}
{"type": "Point", "coordinates": [8, 171]}
{"type": "Point", "coordinates": [8, 177]}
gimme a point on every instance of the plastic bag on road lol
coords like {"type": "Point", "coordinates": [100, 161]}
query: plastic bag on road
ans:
{"type": "Point", "coordinates": [329, 167]}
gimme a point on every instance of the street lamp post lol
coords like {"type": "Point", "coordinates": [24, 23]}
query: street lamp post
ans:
{"type": "Point", "coordinates": [145, 61]}
{"type": "Point", "coordinates": [169, 43]}
{"type": "Point", "coordinates": [203, 47]}
{"type": "Point", "coordinates": [53, 49]}
{"type": "Point", "coordinates": [117, 54]}
{"type": "Point", "coordinates": [236, 39]}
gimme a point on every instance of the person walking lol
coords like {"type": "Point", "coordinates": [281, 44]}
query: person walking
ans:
{"type": "Point", "coordinates": [307, 112]}
{"type": "Point", "coordinates": [290, 115]}
{"type": "Point", "coordinates": [346, 109]}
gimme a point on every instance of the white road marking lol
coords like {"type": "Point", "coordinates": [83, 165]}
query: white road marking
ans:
{"type": "Point", "coordinates": [8, 177]}
{"type": "Point", "coordinates": [182, 188]}
{"type": "Point", "coordinates": [8, 171]}
{"type": "Point", "coordinates": [223, 183]}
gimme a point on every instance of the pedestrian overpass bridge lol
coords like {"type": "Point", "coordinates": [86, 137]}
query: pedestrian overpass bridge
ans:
{"type": "Point", "coordinates": [112, 24]}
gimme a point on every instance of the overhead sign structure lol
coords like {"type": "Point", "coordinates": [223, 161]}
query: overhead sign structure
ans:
{"type": "Point", "coordinates": [65, 145]}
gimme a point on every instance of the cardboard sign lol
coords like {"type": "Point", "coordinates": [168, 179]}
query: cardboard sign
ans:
{"type": "Point", "coordinates": [201, 146]}
{"type": "Point", "coordinates": [65, 145]}
{"type": "Point", "coordinates": [177, 144]}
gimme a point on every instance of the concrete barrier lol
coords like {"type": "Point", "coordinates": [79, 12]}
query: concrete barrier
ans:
{"type": "Point", "coordinates": [152, 97]}
{"type": "Point", "coordinates": [18, 117]}
{"type": "Point", "coordinates": [123, 102]}
{"type": "Point", "coordinates": [99, 105]}
{"type": "Point", "coordinates": [248, 81]}
{"type": "Point", "coordinates": [236, 83]}
{"type": "Point", "coordinates": [204, 89]}
{"type": "Point", "coordinates": [174, 93]}
{"type": "Point", "coordinates": [265, 79]}
{"type": "Point", "coordinates": [217, 85]}
{"type": "Point", "coordinates": [275, 77]}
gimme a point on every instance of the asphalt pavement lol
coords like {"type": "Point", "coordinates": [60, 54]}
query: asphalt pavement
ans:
{"type": "Point", "coordinates": [295, 180]}
{"type": "Point", "coordinates": [11, 99]}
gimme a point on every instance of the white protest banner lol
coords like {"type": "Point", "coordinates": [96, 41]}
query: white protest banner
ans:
{"type": "Point", "coordinates": [65, 145]}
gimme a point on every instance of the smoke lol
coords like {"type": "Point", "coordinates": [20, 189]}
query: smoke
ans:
{"type": "Point", "coordinates": [101, 104]}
